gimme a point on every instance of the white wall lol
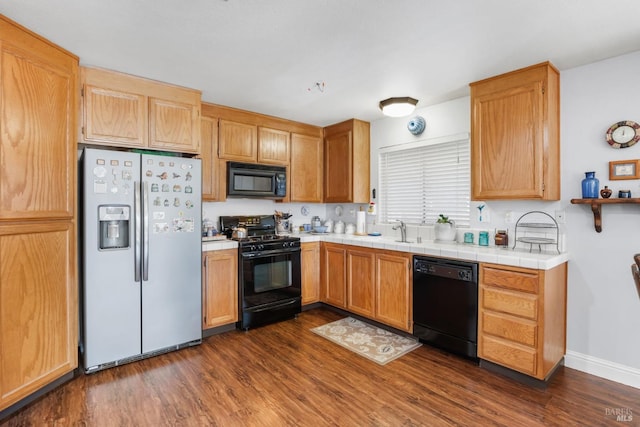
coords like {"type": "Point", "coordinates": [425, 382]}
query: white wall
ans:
{"type": "Point", "coordinates": [603, 306]}
{"type": "Point", "coordinates": [448, 118]}
{"type": "Point", "coordinates": [213, 210]}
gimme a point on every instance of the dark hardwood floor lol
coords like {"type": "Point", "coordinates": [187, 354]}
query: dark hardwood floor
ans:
{"type": "Point", "coordinates": [285, 375]}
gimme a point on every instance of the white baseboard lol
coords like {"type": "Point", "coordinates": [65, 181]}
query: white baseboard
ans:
{"type": "Point", "coordinates": [603, 368]}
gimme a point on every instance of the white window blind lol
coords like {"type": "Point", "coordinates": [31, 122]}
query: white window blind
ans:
{"type": "Point", "coordinates": [420, 181]}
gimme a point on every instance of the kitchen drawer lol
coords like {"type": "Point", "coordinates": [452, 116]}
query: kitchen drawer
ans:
{"type": "Point", "coordinates": [519, 279]}
{"type": "Point", "coordinates": [511, 355]}
{"type": "Point", "coordinates": [504, 301]}
{"type": "Point", "coordinates": [511, 328]}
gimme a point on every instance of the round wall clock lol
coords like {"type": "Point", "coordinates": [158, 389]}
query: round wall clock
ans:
{"type": "Point", "coordinates": [623, 134]}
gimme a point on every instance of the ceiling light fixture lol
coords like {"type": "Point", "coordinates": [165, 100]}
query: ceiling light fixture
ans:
{"type": "Point", "coordinates": [398, 107]}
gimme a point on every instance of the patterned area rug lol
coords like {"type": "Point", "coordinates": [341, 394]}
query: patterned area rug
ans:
{"type": "Point", "coordinates": [374, 343]}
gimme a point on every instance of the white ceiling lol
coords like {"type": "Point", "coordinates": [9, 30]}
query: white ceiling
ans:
{"type": "Point", "coordinates": [267, 55]}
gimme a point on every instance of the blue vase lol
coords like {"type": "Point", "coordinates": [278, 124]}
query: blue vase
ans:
{"type": "Point", "coordinates": [590, 186]}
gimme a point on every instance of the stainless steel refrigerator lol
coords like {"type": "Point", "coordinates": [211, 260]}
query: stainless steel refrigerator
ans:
{"type": "Point", "coordinates": [141, 247]}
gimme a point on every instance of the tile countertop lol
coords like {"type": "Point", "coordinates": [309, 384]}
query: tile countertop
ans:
{"type": "Point", "coordinates": [505, 256]}
{"type": "Point", "coordinates": [491, 254]}
{"type": "Point", "coordinates": [218, 245]}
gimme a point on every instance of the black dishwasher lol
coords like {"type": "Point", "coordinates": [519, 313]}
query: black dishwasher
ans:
{"type": "Point", "coordinates": [445, 304]}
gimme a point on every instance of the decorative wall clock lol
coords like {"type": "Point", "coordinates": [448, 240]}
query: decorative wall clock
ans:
{"type": "Point", "coordinates": [623, 134]}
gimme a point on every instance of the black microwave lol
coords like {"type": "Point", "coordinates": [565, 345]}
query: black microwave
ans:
{"type": "Point", "coordinates": [253, 180]}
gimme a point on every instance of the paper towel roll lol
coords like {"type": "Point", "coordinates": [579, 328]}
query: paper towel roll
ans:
{"type": "Point", "coordinates": [361, 220]}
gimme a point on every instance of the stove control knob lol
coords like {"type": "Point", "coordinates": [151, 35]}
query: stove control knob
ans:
{"type": "Point", "coordinates": [252, 248]}
{"type": "Point", "coordinates": [260, 247]}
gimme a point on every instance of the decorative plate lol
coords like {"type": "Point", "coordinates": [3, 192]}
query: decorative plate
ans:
{"type": "Point", "coordinates": [416, 125]}
{"type": "Point", "coordinates": [623, 134]}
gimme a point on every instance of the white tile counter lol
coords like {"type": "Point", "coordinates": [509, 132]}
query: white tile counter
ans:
{"type": "Point", "coordinates": [491, 254]}
{"type": "Point", "coordinates": [218, 245]}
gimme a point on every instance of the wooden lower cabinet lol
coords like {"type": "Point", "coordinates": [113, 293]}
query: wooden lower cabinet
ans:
{"type": "Point", "coordinates": [310, 267]}
{"type": "Point", "coordinates": [361, 289]}
{"type": "Point", "coordinates": [393, 289]}
{"type": "Point", "coordinates": [38, 307]}
{"type": "Point", "coordinates": [334, 274]}
{"type": "Point", "coordinates": [373, 283]}
{"type": "Point", "coordinates": [522, 318]}
{"type": "Point", "coordinates": [219, 288]}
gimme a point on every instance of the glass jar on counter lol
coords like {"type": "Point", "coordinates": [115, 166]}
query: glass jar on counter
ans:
{"type": "Point", "coordinates": [483, 238]}
{"type": "Point", "coordinates": [502, 238]}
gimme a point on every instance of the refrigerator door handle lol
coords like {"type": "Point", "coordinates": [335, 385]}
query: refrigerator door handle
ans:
{"type": "Point", "coordinates": [145, 231]}
{"type": "Point", "coordinates": [137, 243]}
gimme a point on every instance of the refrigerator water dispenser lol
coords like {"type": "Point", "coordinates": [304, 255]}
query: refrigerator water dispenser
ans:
{"type": "Point", "coordinates": [114, 226]}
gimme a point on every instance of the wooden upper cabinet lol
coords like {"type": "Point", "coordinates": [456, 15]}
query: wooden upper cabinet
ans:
{"type": "Point", "coordinates": [249, 137]}
{"type": "Point", "coordinates": [114, 117]}
{"type": "Point", "coordinates": [38, 89]}
{"type": "Point", "coordinates": [238, 141]}
{"type": "Point", "coordinates": [213, 169]}
{"type": "Point", "coordinates": [306, 168]}
{"type": "Point", "coordinates": [346, 162]}
{"type": "Point", "coordinates": [174, 126]}
{"type": "Point", "coordinates": [127, 111]}
{"type": "Point", "coordinates": [273, 146]}
{"type": "Point", "coordinates": [244, 142]}
{"type": "Point", "coordinates": [515, 138]}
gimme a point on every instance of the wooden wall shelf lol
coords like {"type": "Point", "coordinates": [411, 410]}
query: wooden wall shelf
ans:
{"type": "Point", "coordinates": [596, 207]}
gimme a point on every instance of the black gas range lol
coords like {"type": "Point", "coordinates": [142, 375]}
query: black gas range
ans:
{"type": "Point", "coordinates": [261, 233]}
{"type": "Point", "coordinates": [269, 276]}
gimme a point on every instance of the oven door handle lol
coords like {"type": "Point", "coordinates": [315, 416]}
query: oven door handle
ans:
{"type": "Point", "coordinates": [275, 305]}
{"type": "Point", "coordinates": [261, 254]}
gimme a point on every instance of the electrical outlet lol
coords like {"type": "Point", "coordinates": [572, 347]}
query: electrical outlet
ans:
{"type": "Point", "coordinates": [508, 217]}
{"type": "Point", "coordinates": [560, 216]}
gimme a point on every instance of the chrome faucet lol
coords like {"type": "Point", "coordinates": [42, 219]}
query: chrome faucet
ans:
{"type": "Point", "coordinates": [403, 231]}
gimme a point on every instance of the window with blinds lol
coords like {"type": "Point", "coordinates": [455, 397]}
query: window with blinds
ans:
{"type": "Point", "coordinates": [420, 181]}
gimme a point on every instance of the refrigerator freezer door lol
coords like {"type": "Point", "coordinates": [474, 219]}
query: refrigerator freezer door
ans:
{"type": "Point", "coordinates": [172, 295]}
{"type": "Point", "coordinates": [111, 295]}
